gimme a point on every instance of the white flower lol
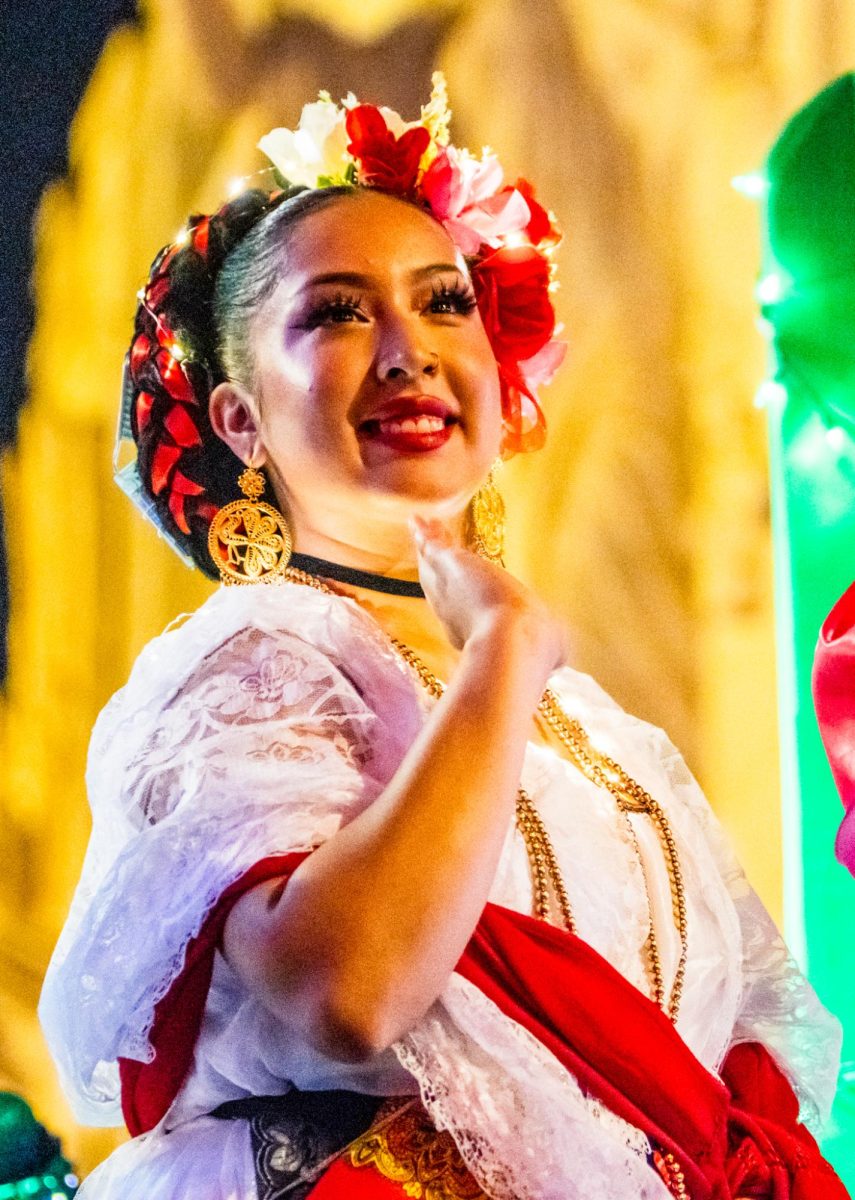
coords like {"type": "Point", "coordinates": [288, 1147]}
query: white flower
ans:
{"type": "Point", "coordinates": [318, 146]}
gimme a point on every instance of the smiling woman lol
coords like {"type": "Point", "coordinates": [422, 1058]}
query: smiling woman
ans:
{"type": "Point", "coordinates": [374, 390]}
{"type": "Point", "coordinates": [346, 930]}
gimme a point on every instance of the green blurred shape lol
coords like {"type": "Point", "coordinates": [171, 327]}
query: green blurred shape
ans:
{"type": "Point", "coordinates": [31, 1162]}
{"type": "Point", "coordinates": [809, 292]}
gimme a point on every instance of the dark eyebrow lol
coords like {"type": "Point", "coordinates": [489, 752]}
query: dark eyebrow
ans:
{"type": "Point", "coordinates": [354, 279]}
{"type": "Point", "coordinates": [435, 269]}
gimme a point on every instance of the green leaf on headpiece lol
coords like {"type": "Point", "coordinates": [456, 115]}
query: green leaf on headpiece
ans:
{"type": "Point", "coordinates": [346, 179]}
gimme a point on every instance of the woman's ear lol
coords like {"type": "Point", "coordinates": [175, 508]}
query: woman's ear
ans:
{"type": "Point", "coordinates": [234, 418]}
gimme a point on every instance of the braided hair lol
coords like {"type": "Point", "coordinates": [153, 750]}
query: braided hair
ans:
{"type": "Point", "coordinates": [191, 332]}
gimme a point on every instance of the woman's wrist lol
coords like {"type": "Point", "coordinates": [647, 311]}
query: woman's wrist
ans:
{"type": "Point", "coordinates": [516, 646]}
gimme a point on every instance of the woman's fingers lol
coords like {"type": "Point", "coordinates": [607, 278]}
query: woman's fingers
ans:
{"type": "Point", "coordinates": [427, 532]}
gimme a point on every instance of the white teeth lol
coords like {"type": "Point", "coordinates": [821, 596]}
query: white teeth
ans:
{"type": "Point", "coordinates": [421, 424]}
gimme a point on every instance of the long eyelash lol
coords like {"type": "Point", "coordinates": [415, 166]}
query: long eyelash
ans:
{"type": "Point", "coordinates": [459, 291]}
{"type": "Point", "coordinates": [337, 303]}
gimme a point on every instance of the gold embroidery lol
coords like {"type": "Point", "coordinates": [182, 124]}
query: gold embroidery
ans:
{"type": "Point", "coordinates": [672, 1174]}
{"type": "Point", "coordinates": [405, 1147]}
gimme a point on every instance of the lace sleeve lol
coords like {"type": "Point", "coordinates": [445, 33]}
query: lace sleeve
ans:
{"type": "Point", "coordinates": [778, 1008]}
{"type": "Point", "coordinates": [266, 747]}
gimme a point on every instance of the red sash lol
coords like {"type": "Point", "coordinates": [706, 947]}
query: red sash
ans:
{"type": "Point", "coordinates": [730, 1141]}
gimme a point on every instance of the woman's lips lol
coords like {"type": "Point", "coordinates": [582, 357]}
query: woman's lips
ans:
{"type": "Point", "coordinates": [411, 429]}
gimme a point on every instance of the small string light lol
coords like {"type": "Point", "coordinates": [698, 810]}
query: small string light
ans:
{"type": "Point", "coordinates": [753, 185]}
{"type": "Point", "coordinates": [770, 394]}
{"type": "Point", "coordinates": [182, 237]}
{"type": "Point", "coordinates": [516, 239]}
{"type": "Point", "coordinates": [772, 288]}
{"type": "Point", "coordinates": [236, 187]}
{"type": "Point", "coordinates": [765, 326]}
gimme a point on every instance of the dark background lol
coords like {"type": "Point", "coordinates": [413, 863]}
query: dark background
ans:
{"type": "Point", "coordinates": [48, 49]}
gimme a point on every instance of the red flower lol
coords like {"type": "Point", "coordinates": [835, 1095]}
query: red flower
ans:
{"type": "Point", "coordinates": [200, 236]}
{"type": "Point", "coordinates": [540, 228]}
{"type": "Point", "coordinates": [524, 425]}
{"type": "Point", "coordinates": [174, 378]}
{"type": "Point", "coordinates": [140, 351]}
{"type": "Point", "coordinates": [511, 286]}
{"type": "Point", "coordinates": [181, 427]}
{"type": "Point", "coordinates": [181, 488]}
{"type": "Point", "coordinates": [144, 402]}
{"type": "Point", "coordinates": [156, 292]}
{"type": "Point", "coordinates": [162, 464]}
{"type": "Point", "coordinates": [386, 162]}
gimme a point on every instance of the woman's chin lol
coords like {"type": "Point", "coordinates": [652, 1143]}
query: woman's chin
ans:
{"type": "Point", "coordinates": [426, 493]}
{"type": "Point", "coordinates": [445, 475]}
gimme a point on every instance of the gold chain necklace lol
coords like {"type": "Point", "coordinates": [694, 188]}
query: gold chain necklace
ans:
{"type": "Point", "coordinates": [631, 797]}
{"type": "Point", "coordinates": [601, 770]}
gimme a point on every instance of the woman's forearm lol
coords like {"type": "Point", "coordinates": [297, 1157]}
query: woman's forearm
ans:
{"type": "Point", "coordinates": [370, 926]}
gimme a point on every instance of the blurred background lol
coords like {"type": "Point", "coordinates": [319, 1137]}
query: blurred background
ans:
{"type": "Point", "coordinates": [645, 521]}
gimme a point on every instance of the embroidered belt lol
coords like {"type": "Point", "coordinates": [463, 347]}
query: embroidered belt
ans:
{"type": "Point", "coordinates": [404, 1145]}
{"type": "Point", "coordinates": [296, 1137]}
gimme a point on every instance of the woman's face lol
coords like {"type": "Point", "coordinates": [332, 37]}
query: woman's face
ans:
{"type": "Point", "coordinates": [376, 390]}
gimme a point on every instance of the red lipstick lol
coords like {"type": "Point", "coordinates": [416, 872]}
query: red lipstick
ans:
{"type": "Point", "coordinates": [411, 424]}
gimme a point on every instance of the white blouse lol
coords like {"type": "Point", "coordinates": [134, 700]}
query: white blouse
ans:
{"type": "Point", "coordinates": [269, 718]}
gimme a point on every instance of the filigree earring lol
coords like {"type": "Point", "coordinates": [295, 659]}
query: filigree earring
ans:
{"type": "Point", "coordinates": [486, 522]}
{"type": "Point", "coordinates": [249, 540]}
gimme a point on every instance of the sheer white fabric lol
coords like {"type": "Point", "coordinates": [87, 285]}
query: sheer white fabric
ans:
{"type": "Point", "coordinates": [268, 719]}
{"type": "Point", "coordinates": [234, 739]}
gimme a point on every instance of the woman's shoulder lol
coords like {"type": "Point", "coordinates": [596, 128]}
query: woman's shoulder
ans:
{"type": "Point", "coordinates": [583, 698]}
{"type": "Point", "coordinates": [640, 746]}
{"type": "Point", "coordinates": [328, 627]}
{"type": "Point", "coordinates": [242, 633]}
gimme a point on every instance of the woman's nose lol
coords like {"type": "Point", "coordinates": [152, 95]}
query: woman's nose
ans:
{"type": "Point", "coordinates": [401, 355]}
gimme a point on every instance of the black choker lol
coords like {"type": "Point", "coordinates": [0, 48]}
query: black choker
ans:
{"type": "Point", "coordinates": [363, 579]}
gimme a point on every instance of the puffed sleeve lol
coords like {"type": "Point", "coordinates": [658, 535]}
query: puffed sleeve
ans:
{"type": "Point", "coordinates": [263, 747]}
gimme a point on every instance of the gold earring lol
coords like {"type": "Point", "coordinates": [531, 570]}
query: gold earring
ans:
{"type": "Point", "coordinates": [250, 541]}
{"type": "Point", "coordinates": [486, 522]}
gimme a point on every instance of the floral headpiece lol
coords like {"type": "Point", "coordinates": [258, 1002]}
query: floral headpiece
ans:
{"type": "Point", "coordinates": [507, 237]}
{"type": "Point", "coordinates": [506, 234]}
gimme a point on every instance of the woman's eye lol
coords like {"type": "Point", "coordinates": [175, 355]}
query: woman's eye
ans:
{"type": "Point", "coordinates": [458, 299]}
{"type": "Point", "coordinates": [339, 311]}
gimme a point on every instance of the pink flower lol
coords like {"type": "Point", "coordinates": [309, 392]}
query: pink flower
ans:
{"type": "Point", "coordinates": [466, 195]}
{"type": "Point", "coordinates": [539, 370]}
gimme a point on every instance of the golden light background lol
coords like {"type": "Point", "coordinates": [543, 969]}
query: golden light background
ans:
{"type": "Point", "coordinates": [645, 521]}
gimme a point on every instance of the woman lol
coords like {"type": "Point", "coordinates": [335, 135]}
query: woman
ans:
{"type": "Point", "coordinates": [342, 932]}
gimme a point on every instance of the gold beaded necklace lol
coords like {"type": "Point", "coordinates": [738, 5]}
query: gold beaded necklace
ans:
{"type": "Point", "coordinates": [548, 884]}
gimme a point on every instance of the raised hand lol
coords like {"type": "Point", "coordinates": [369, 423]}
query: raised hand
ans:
{"type": "Point", "coordinates": [475, 598]}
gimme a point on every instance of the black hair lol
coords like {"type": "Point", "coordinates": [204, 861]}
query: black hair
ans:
{"type": "Point", "coordinates": [199, 303]}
